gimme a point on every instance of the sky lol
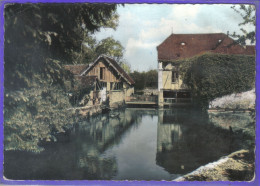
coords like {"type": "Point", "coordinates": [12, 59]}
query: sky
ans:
{"type": "Point", "coordinates": [142, 27]}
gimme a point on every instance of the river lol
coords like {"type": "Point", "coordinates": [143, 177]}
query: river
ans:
{"type": "Point", "coordinates": [135, 144]}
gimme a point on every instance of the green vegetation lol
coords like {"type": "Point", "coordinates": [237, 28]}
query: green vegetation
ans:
{"type": "Point", "coordinates": [91, 49]}
{"type": "Point", "coordinates": [39, 39]}
{"type": "Point", "coordinates": [210, 76]}
{"type": "Point", "coordinates": [248, 14]}
{"type": "Point", "coordinates": [145, 79]}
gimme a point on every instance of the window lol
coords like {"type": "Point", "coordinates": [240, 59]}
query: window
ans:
{"type": "Point", "coordinates": [103, 84]}
{"type": "Point", "coordinates": [116, 86]}
{"type": "Point", "coordinates": [119, 86]}
{"type": "Point", "coordinates": [169, 94]}
{"type": "Point", "coordinates": [183, 95]}
{"type": "Point", "coordinates": [175, 76]}
{"type": "Point", "coordinates": [102, 72]}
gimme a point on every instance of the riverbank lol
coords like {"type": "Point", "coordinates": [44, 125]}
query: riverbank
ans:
{"type": "Point", "coordinates": [238, 166]}
{"type": "Point", "coordinates": [88, 111]}
{"type": "Point", "coordinates": [229, 110]}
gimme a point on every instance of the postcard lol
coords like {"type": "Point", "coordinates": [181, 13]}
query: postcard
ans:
{"type": "Point", "coordinates": [128, 92]}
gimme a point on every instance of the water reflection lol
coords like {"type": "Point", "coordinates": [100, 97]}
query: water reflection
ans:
{"type": "Point", "coordinates": [187, 139]}
{"type": "Point", "coordinates": [131, 144]}
{"type": "Point", "coordinates": [77, 156]}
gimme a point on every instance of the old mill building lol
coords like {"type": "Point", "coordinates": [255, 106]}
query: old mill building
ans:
{"type": "Point", "coordinates": [171, 89]}
{"type": "Point", "coordinates": [105, 78]}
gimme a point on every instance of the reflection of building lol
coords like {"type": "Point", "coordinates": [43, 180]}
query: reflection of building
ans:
{"type": "Point", "coordinates": [187, 140]}
{"type": "Point", "coordinates": [179, 138]}
{"type": "Point", "coordinates": [168, 133]}
{"type": "Point", "coordinates": [171, 152]}
{"type": "Point", "coordinates": [105, 77]}
{"type": "Point", "coordinates": [172, 90]}
{"type": "Point", "coordinates": [98, 135]}
{"type": "Point", "coordinates": [107, 130]}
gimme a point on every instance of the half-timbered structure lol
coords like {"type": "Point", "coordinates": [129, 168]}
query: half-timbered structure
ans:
{"type": "Point", "coordinates": [171, 89]}
{"type": "Point", "coordinates": [108, 79]}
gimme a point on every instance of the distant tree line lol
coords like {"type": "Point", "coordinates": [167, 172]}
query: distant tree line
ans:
{"type": "Point", "coordinates": [145, 79]}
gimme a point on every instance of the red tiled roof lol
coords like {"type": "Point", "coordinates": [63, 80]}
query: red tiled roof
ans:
{"type": "Point", "coordinates": [179, 46]}
{"type": "Point", "coordinates": [76, 69]}
{"type": "Point", "coordinates": [250, 49]}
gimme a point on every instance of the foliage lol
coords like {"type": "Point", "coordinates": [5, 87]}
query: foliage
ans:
{"type": "Point", "coordinates": [39, 39]}
{"type": "Point", "coordinates": [108, 46]}
{"type": "Point", "coordinates": [145, 79]}
{"type": "Point", "coordinates": [210, 76]}
{"type": "Point", "coordinates": [80, 92]}
{"type": "Point", "coordinates": [248, 13]}
{"type": "Point", "coordinates": [126, 67]}
{"type": "Point", "coordinates": [36, 113]}
{"type": "Point", "coordinates": [36, 31]}
{"type": "Point", "coordinates": [139, 78]}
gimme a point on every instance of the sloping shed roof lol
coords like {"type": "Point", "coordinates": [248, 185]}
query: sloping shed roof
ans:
{"type": "Point", "coordinates": [86, 80]}
{"type": "Point", "coordinates": [119, 69]}
{"type": "Point", "coordinates": [179, 46]}
{"type": "Point", "coordinates": [114, 64]}
{"type": "Point", "coordinates": [76, 69]}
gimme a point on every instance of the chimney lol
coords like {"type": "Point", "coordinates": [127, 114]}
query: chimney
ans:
{"type": "Point", "coordinates": [227, 33]}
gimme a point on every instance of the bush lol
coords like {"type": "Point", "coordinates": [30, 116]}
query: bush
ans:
{"type": "Point", "coordinates": [210, 76]}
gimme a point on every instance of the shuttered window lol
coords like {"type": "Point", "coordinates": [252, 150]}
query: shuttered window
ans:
{"type": "Point", "coordinates": [175, 76]}
{"type": "Point", "coordinates": [102, 72]}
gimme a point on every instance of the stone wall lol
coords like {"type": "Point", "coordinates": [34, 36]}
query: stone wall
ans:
{"type": "Point", "coordinates": [116, 97]}
{"type": "Point", "coordinates": [130, 91]}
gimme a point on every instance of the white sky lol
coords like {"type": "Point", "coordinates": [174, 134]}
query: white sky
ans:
{"type": "Point", "coordinates": [142, 27]}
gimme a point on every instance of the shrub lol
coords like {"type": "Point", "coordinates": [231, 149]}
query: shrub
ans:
{"type": "Point", "coordinates": [214, 75]}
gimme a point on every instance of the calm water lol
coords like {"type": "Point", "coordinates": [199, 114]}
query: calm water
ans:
{"type": "Point", "coordinates": [137, 144]}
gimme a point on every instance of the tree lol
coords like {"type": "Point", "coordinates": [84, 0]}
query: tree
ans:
{"type": "Point", "coordinates": [34, 32]}
{"type": "Point", "coordinates": [126, 66]}
{"type": "Point", "coordinates": [92, 48]}
{"type": "Point", "coordinates": [248, 13]}
{"type": "Point", "coordinates": [152, 79]}
{"type": "Point", "coordinates": [39, 39]}
{"type": "Point", "coordinates": [139, 79]}
{"type": "Point", "coordinates": [145, 79]}
{"type": "Point", "coordinates": [108, 46]}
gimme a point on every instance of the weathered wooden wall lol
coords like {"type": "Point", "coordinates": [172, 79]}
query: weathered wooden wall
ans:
{"type": "Point", "coordinates": [109, 75]}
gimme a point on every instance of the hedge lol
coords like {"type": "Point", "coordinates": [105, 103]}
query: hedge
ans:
{"type": "Point", "coordinates": [210, 76]}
